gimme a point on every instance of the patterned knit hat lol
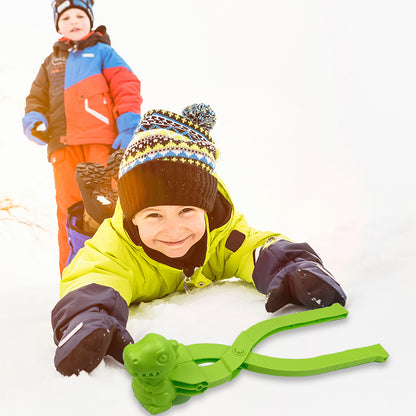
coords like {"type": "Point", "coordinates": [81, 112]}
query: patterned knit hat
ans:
{"type": "Point", "coordinates": [59, 6]}
{"type": "Point", "coordinates": [170, 161]}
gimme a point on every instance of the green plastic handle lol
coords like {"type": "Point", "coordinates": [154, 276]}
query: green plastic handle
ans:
{"type": "Point", "coordinates": [233, 358]}
{"type": "Point", "coordinates": [167, 373]}
{"type": "Point", "coordinates": [293, 367]}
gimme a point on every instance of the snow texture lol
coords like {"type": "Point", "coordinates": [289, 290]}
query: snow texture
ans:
{"type": "Point", "coordinates": [315, 102]}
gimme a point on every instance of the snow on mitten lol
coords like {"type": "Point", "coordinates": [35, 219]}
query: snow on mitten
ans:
{"type": "Point", "coordinates": [89, 337]}
{"type": "Point", "coordinates": [292, 273]}
{"type": "Point", "coordinates": [304, 283]}
{"type": "Point", "coordinates": [89, 323]}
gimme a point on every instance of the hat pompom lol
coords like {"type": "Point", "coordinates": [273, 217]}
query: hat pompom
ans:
{"type": "Point", "coordinates": [201, 114]}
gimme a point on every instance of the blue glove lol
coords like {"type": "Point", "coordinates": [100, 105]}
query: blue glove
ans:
{"type": "Point", "coordinates": [126, 125]}
{"type": "Point", "coordinates": [32, 127]}
{"type": "Point", "coordinates": [85, 336]}
{"type": "Point", "coordinates": [293, 273]}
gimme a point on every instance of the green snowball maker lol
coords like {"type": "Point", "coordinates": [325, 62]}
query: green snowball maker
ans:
{"type": "Point", "coordinates": [166, 373]}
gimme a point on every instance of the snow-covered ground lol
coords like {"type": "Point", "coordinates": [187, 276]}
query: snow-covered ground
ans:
{"type": "Point", "coordinates": [315, 102]}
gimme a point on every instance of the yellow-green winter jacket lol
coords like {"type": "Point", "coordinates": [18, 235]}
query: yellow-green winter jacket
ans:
{"type": "Point", "coordinates": [111, 258]}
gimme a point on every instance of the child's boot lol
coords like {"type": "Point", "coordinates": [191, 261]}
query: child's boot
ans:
{"type": "Point", "coordinates": [113, 163]}
{"type": "Point", "coordinates": [76, 229]}
{"type": "Point", "coordinates": [94, 183]}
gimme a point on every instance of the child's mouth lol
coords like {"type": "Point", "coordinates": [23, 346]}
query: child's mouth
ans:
{"type": "Point", "coordinates": [174, 243]}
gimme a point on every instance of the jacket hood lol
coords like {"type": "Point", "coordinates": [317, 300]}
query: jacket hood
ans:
{"type": "Point", "coordinates": [216, 218]}
{"type": "Point", "coordinates": [111, 258]}
{"type": "Point", "coordinates": [98, 35]}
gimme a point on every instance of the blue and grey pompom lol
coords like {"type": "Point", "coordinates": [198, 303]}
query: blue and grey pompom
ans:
{"type": "Point", "coordinates": [201, 114]}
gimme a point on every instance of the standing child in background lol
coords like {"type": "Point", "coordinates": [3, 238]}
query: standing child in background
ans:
{"type": "Point", "coordinates": [84, 103]}
{"type": "Point", "coordinates": [174, 229]}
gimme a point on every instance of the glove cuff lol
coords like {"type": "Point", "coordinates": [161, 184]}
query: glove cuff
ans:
{"type": "Point", "coordinates": [128, 122]}
{"type": "Point", "coordinates": [101, 298]}
{"type": "Point", "coordinates": [275, 257]}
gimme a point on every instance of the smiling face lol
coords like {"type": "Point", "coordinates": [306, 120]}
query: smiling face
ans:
{"type": "Point", "coordinates": [170, 229]}
{"type": "Point", "coordinates": [74, 24]}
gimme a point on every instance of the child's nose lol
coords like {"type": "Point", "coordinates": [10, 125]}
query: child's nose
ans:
{"type": "Point", "coordinates": [173, 228]}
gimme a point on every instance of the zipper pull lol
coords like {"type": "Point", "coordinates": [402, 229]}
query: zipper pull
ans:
{"type": "Point", "coordinates": [186, 279]}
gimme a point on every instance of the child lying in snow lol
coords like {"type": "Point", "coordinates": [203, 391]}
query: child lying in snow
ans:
{"type": "Point", "coordinates": [174, 227]}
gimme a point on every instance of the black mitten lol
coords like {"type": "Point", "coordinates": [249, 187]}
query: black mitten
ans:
{"type": "Point", "coordinates": [304, 283]}
{"type": "Point", "coordinates": [292, 273]}
{"type": "Point", "coordinates": [88, 324]}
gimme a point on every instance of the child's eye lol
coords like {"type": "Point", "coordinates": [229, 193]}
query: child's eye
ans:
{"type": "Point", "coordinates": [187, 209]}
{"type": "Point", "coordinates": [153, 215]}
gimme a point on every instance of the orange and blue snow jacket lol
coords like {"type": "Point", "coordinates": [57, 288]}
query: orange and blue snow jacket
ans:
{"type": "Point", "coordinates": [86, 92]}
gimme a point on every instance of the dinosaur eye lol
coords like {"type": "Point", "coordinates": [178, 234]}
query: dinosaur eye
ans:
{"type": "Point", "coordinates": [163, 358]}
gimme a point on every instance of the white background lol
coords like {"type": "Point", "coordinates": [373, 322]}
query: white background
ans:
{"type": "Point", "coordinates": [315, 102]}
